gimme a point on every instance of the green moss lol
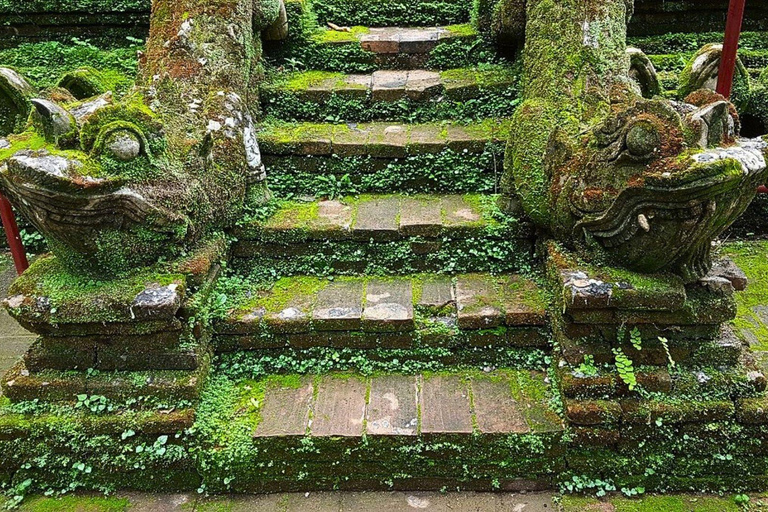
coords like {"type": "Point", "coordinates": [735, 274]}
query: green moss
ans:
{"type": "Point", "coordinates": [683, 503]}
{"type": "Point", "coordinates": [751, 258]}
{"type": "Point", "coordinates": [340, 36]}
{"type": "Point", "coordinates": [76, 504]}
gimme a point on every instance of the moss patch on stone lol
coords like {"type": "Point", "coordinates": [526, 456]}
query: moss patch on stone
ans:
{"type": "Point", "coordinates": [752, 258]}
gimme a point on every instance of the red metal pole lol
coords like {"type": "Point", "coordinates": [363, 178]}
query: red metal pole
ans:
{"type": "Point", "coordinates": [730, 47]}
{"type": "Point", "coordinates": [12, 234]}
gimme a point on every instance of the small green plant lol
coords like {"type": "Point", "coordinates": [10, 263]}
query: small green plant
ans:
{"type": "Point", "coordinates": [94, 403]}
{"type": "Point", "coordinates": [587, 368]}
{"type": "Point", "coordinates": [636, 339]}
{"type": "Point", "coordinates": [626, 368]}
{"type": "Point", "coordinates": [665, 343]}
{"type": "Point", "coordinates": [332, 187]}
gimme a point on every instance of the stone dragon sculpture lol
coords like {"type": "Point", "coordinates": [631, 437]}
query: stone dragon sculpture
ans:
{"type": "Point", "coordinates": [642, 182]}
{"type": "Point", "coordinates": [117, 185]}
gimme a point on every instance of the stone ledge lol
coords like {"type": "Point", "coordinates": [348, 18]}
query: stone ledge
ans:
{"type": "Point", "coordinates": [379, 140]}
{"type": "Point", "coordinates": [296, 305]}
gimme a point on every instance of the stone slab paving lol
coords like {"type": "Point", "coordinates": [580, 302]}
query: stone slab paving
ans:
{"type": "Point", "coordinates": [379, 140]}
{"type": "Point", "coordinates": [14, 339]}
{"type": "Point", "coordinates": [392, 85]}
{"type": "Point", "coordinates": [374, 305]}
{"type": "Point", "coordinates": [392, 40]}
{"type": "Point", "coordinates": [347, 406]}
{"type": "Point", "coordinates": [378, 217]}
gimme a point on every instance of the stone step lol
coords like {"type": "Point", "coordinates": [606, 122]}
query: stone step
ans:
{"type": "Point", "coordinates": [472, 430]}
{"type": "Point", "coordinates": [391, 95]}
{"type": "Point", "coordinates": [309, 158]}
{"type": "Point", "coordinates": [21, 384]}
{"type": "Point", "coordinates": [396, 233]}
{"type": "Point", "coordinates": [427, 310]}
{"type": "Point", "coordinates": [385, 13]}
{"type": "Point", "coordinates": [602, 382]}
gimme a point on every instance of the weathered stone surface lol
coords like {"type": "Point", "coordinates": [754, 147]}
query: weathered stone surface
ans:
{"type": "Point", "coordinates": [727, 269]}
{"type": "Point", "coordinates": [388, 306]}
{"type": "Point", "coordinates": [389, 85]}
{"type": "Point", "coordinates": [285, 410]}
{"type": "Point", "coordinates": [477, 301]}
{"type": "Point", "coordinates": [496, 411]}
{"type": "Point", "coordinates": [522, 301]}
{"type": "Point", "coordinates": [377, 218]}
{"type": "Point", "coordinates": [339, 306]}
{"type": "Point", "coordinates": [340, 407]}
{"type": "Point", "coordinates": [427, 138]}
{"type": "Point", "coordinates": [393, 406]}
{"type": "Point", "coordinates": [593, 412]}
{"type": "Point", "coordinates": [458, 213]}
{"type": "Point", "coordinates": [420, 216]}
{"type": "Point", "coordinates": [437, 294]}
{"type": "Point", "coordinates": [422, 84]}
{"type": "Point", "coordinates": [388, 140]}
{"type": "Point", "coordinates": [445, 407]}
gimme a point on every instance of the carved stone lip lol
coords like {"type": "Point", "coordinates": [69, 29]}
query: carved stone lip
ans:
{"type": "Point", "coordinates": [63, 204]}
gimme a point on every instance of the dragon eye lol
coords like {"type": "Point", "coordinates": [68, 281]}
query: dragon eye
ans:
{"type": "Point", "coordinates": [123, 145]}
{"type": "Point", "coordinates": [643, 139]}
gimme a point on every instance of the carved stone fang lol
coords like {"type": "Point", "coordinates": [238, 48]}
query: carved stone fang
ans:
{"type": "Point", "coordinates": [643, 221]}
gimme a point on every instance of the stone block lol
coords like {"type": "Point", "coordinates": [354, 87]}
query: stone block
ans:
{"type": "Point", "coordinates": [388, 306]}
{"type": "Point", "coordinates": [377, 218]}
{"type": "Point", "coordinates": [339, 409]}
{"type": "Point", "coordinates": [339, 306]}
{"type": "Point", "coordinates": [593, 412]}
{"type": "Point", "coordinates": [437, 295]}
{"type": "Point", "coordinates": [478, 302]}
{"type": "Point", "coordinates": [496, 410]}
{"type": "Point", "coordinates": [420, 216]}
{"type": "Point", "coordinates": [427, 138]}
{"type": "Point", "coordinates": [445, 406]}
{"type": "Point", "coordinates": [389, 85]}
{"type": "Point", "coordinates": [285, 410]}
{"type": "Point", "coordinates": [393, 406]}
{"type": "Point", "coordinates": [387, 140]}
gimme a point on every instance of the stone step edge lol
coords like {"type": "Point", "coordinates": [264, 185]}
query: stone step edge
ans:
{"type": "Point", "coordinates": [20, 384]}
{"type": "Point", "coordinates": [388, 85]}
{"type": "Point", "coordinates": [380, 139]}
{"type": "Point", "coordinates": [302, 304]}
{"type": "Point", "coordinates": [388, 40]}
{"type": "Point", "coordinates": [141, 422]}
{"type": "Point", "coordinates": [382, 217]}
{"type": "Point", "coordinates": [351, 406]}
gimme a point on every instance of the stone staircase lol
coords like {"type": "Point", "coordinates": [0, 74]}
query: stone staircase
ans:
{"type": "Point", "coordinates": [409, 260]}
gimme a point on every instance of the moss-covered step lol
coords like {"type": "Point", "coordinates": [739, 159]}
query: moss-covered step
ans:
{"type": "Point", "coordinates": [373, 233]}
{"type": "Point", "coordinates": [405, 96]}
{"type": "Point", "coordinates": [386, 13]}
{"type": "Point", "coordinates": [363, 49]}
{"type": "Point", "coordinates": [347, 431]}
{"type": "Point", "coordinates": [477, 310]}
{"type": "Point", "coordinates": [99, 444]}
{"type": "Point", "coordinates": [593, 381]}
{"type": "Point", "coordinates": [20, 384]}
{"type": "Point", "coordinates": [342, 159]}
{"type": "Point", "coordinates": [589, 294]}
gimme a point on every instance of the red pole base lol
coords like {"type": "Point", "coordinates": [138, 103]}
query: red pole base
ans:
{"type": "Point", "coordinates": [12, 235]}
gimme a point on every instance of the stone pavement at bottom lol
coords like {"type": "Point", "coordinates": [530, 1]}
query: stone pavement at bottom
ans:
{"type": "Point", "coordinates": [14, 339]}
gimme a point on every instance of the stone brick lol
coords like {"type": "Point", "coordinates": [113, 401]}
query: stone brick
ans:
{"type": "Point", "coordinates": [593, 412]}
{"type": "Point", "coordinates": [477, 301]}
{"type": "Point", "coordinates": [351, 140]}
{"type": "Point", "coordinates": [381, 40]}
{"type": "Point", "coordinates": [420, 216]}
{"type": "Point", "coordinates": [339, 306]}
{"type": "Point", "coordinates": [496, 411]}
{"type": "Point", "coordinates": [460, 140]}
{"type": "Point", "coordinates": [426, 138]}
{"type": "Point", "coordinates": [445, 407]}
{"type": "Point", "coordinates": [523, 302]}
{"type": "Point", "coordinates": [458, 215]}
{"type": "Point", "coordinates": [393, 406]}
{"type": "Point", "coordinates": [388, 306]}
{"type": "Point", "coordinates": [377, 218]}
{"type": "Point", "coordinates": [388, 140]}
{"type": "Point", "coordinates": [285, 410]}
{"type": "Point", "coordinates": [389, 85]}
{"type": "Point", "coordinates": [418, 40]}
{"type": "Point", "coordinates": [340, 407]}
{"type": "Point", "coordinates": [422, 85]}
{"type": "Point", "coordinates": [437, 294]}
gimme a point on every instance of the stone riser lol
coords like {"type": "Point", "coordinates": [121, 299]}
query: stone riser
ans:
{"type": "Point", "coordinates": [522, 338]}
